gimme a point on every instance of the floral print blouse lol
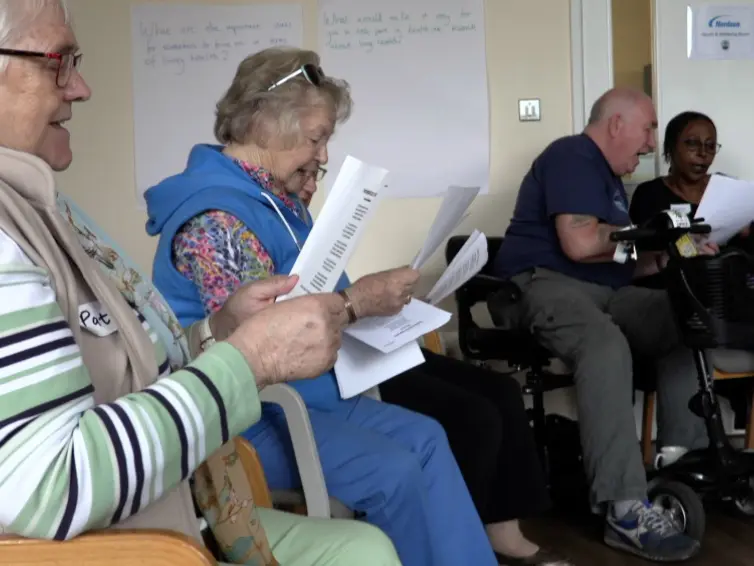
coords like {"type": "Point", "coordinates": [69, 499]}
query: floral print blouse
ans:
{"type": "Point", "coordinates": [219, 253]}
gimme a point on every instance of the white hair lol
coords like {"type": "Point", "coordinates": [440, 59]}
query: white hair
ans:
{"type": "Point", "coordinates": [17, 15]}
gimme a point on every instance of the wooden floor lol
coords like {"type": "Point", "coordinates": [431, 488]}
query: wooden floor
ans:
{"type": "Point", "coordinates": [728, 541]}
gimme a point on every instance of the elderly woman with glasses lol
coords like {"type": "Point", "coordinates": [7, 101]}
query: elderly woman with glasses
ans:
{"type": "Point", "coordinates": [236, 215]}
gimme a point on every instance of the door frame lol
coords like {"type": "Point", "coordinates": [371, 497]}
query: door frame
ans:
{"type": "Point", "coordinates": [591, 56]}
{"type": "Point", "coordinates": [592, 66]}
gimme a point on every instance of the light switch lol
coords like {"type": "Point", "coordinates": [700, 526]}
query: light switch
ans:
{"type": "Point", "coordinates": [528, 110]}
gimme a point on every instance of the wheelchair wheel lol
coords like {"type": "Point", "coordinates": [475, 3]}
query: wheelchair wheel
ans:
{"type": "Point", "coordinates": [682, 504]}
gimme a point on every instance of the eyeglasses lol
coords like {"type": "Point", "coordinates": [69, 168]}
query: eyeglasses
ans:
{"type": "Point", "coordinates": [65, 62]}
{"type": "Point", "coordinates": [318, 175]}
{"type": "Point", "coordinates": [696, 146]}
{"type": "Point", "coordinates": [311, 73]}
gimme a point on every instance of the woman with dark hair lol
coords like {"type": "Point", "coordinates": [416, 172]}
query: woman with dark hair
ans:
{"type": "Point", "coordinates": [689, 147]}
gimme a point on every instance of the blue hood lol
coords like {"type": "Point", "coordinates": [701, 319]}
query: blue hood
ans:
{"type": "Point", "coordinates": [213, 181]}
{"type": "Point", "coordinates": [207, 168]}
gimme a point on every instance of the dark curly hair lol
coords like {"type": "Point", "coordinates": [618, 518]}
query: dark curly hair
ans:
{"type": "Point", "coordinates": [675, 128]}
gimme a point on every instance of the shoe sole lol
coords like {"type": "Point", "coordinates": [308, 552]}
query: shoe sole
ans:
{"type": "Point", "coordinates": [618, 545]}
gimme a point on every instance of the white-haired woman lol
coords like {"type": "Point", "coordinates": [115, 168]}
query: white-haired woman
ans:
{"type": "Point", "coordinates": [103, 412]}
{"type": "Point", "coordinates": [233, 216]}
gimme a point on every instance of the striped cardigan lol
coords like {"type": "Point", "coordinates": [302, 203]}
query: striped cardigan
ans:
{"type": "Point", "coordinates": [88, 436]}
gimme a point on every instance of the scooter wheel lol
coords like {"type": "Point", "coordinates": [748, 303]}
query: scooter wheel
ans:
{"type": "Point", "coordinates": [682, 504]}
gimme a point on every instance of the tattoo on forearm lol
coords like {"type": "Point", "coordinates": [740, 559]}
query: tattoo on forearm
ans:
{"type": "Point", "coordinates": [580, 220]}
{"type": "Point", "coordinates": [604, 231]}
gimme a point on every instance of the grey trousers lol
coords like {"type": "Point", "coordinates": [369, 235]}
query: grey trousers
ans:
{"type": "Point", "coordinates": [594, 329]}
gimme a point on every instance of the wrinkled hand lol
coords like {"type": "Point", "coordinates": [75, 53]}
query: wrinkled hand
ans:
{"type": "Point", "coordinates": [247, 301]}
{"type": "Point", "coordinates": [294, 339]}
{"type": "Point", "coordinates": [384, 293]}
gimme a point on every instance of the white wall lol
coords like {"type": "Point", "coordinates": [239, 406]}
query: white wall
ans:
{"type": "Point", "coordinates": [102, 176]}
{"type": "Point", "coordinates": [721, 89]}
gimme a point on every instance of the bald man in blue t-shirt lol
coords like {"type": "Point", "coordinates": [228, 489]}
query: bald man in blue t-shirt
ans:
{"type": "Point", "coordinates": [581, 305]}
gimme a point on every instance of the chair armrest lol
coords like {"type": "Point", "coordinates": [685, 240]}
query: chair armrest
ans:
{"type": "Point", "coordinates": [114, 548]}
{"type": "Point", "coordinates": [504, 289]}
{"type": "Point", "coordinates": [304, 446]}
{"type": "Point", "coordinates": [480, 287]}
{"type": "Point", "coordinates": [373, 393]}
{"type": "Point", "coordinates": [492, 284]}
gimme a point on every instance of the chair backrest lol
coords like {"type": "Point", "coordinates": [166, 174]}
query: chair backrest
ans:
{"type": "Point", "coordinates": [455, 243]}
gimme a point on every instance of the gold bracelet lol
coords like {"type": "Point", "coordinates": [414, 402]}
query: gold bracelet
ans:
{"type": "Point", "coordinates": [349, 307]}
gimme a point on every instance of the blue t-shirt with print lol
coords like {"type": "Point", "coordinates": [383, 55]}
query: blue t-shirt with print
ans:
{"type": "Point", "coordinates": [571, 176]}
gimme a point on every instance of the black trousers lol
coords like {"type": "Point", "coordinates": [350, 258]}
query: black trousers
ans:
{"type": "Point", "coordinates": [484, 416]}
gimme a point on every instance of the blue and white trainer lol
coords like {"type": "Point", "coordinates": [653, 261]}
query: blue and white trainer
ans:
{"type": "Point", "coordinates": [647, 531]}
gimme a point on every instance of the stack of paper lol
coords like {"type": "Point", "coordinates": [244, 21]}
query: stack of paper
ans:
{"type": "Point", "coordinates": [378, 348]}
{"type": "Point", "coordinates": [388, 333]}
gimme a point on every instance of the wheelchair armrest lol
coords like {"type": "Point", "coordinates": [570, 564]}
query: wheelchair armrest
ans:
{"type": "Point", "coordinates": [480, 287]}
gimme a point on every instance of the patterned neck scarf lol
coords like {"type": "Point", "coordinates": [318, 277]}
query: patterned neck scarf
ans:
{"type": "Point", "coordinates": [129, 281]}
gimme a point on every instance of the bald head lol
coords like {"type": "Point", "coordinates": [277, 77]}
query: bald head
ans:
{"type": "Point", "coordinates": [622, 123]}
{"type": "Point", "coordinates": [620, 100]}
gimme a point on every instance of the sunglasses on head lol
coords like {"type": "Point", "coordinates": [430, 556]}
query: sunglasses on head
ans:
{"type": "Point", "coordinates": [311, 73]}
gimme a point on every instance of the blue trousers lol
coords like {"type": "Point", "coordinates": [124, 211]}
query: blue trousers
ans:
{"type": "Point", "coordinates": [394, 466]}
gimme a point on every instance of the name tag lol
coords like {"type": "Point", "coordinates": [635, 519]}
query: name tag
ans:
{"type": "Point", "coordinates": [96, 320]}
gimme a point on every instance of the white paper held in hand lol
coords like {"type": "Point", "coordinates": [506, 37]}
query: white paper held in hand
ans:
{"type": "Point", "coordinates": [388, 333]}
{"type": "Point", "coordinates": [361, 367]}
{"type": "Point", "coordinates": [452, 212]}
{"type": "Point", "coordinates": [323, 259]}
{"type": "Point", "coordinates": [470, 260]}
{"type": "Point", "coordinates": [727, 206]}
{"type": "Point", "coordinates": [348, 207]}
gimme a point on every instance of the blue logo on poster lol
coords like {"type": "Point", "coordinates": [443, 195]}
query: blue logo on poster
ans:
{"type": "Point", "coordinates": [723, 21]}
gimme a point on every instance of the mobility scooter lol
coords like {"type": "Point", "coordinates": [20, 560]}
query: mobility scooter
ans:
{"type": "Point", "coordinates": [713, 300]}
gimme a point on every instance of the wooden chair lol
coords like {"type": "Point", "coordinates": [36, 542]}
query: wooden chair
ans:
{"type": "Point", "coordinates": [649, 412]}
{"type": "Point", "coordinates": [130, 548]}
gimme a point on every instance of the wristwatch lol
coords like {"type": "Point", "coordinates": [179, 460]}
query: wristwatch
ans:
{"type": "Point", "coordinates": [206, 339]}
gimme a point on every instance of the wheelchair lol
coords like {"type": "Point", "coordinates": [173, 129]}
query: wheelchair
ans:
{"type": "Point", "coordinates": [556, 437]}
{"type": "Point", "coordinates": [713, 300]}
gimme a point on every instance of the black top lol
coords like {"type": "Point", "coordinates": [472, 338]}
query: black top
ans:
{"type": "Point", "coordinates": [651, 198]}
